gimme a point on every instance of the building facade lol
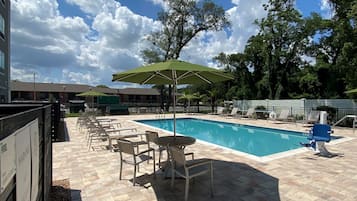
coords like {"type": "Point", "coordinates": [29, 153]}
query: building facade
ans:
{"type": "Point", "coordinates": [4, 51]}
{"type": "Point", "coordinates": [29, 91]}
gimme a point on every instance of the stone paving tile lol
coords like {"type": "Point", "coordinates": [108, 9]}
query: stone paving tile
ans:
{"type": "Point", "coordinates": [94, 175]}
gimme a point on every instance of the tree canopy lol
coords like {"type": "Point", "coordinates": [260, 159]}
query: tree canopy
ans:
{"type": "Point", "coordinates": [296, 57]}
{"type": "Point", "coordinates": [291, 56]}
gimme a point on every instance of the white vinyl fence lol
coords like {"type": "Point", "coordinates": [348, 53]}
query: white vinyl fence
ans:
{"type": "Point", "coordinates": [300, 107]}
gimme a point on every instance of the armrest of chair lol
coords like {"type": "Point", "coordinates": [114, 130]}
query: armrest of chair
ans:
{"type": "Point", "coordinates": [199, 163]}
{"type": "Point", "coordinates": [146, 151]}
{"type": "Point", "coordinates": [121, 129]}
{"type": "Point", "coordinates": [190, 153]}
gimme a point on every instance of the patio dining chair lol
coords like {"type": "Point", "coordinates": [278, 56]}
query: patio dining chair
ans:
{"type": "Point", "coordinates": [129, 156]}
{"type": "Point", "coordinates": [189, 169]}
{"type": "Point", "coordinates": [151, 138]}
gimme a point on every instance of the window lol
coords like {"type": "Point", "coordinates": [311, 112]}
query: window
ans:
{"type": "Point", "coordinates": [2, 60]}
{"type": "Point", "coordinates": [2, 27]}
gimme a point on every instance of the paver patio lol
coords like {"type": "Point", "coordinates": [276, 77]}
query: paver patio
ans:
{"type": "Point", "coordinates": [94, 175]}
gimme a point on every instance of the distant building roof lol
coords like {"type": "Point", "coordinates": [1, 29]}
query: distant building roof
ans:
{"type": "Point", "coordinates": [76, 88]}
{"type": "Point", "coordinates": [57, 87]}
{"type": "Point", "coordinates": [139, 91]}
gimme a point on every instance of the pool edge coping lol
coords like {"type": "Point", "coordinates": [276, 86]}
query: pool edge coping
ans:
{"type": "Point", "coordinates": [262, 159]}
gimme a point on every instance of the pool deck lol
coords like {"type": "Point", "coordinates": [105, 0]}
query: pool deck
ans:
{"type": "Point", "coordinates": [297, 175]}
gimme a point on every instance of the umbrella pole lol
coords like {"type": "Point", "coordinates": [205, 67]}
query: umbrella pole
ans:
{"type": "Point", "coordinates": [175, 83]}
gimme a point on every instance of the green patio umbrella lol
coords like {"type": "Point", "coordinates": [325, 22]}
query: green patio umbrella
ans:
{"type": "Point", "coordinates": [172, 72]}
{"type": "Point", "coordinates": [92, 93]}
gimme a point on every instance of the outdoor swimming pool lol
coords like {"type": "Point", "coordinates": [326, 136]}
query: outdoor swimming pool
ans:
{"type": "Point", "coordinates": [253, 140]}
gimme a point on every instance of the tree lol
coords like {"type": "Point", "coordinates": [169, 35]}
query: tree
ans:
{"type": "Point", "coordinates": [187, 97]}
{"type": "Point", "coordinates": [242, 83]}
{"type": "Point", "coordinates": [182, 21]}
{"type": "Point", "coordinates": [199, 97]}
{"type": "Point", "coordinates": [282, 40]}
{"type": "Point", "coordinates": [102, 86]}
{"type": "Point", "coordinates": [212, 94]}
{"type": "Point", "coordinates": [337, 49]}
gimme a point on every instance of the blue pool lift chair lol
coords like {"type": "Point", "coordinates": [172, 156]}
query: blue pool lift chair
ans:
{"type": "Point", "coordinates": [318, 135]}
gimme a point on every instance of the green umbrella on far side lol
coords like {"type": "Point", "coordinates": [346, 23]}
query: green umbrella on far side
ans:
{"type": "Point", "coordinates": [92, 93]}
{"type": "Point", "coordinates": [352, 91]}
{"type": "Point", "coordinates": [172, 72]}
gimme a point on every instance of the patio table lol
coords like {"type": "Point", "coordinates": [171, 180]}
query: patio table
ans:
{"type": "Point", "coordinates": [177, 141]}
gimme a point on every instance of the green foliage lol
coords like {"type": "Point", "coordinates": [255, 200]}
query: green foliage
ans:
{"type": "Point", "coordinates": [182, 21]}
{"type": "Point", "coordinates": [261, 115]}
{"type": "Point", "coordinates": [102, 86]}
{"type": "Point", "coordinates": [273, 65]}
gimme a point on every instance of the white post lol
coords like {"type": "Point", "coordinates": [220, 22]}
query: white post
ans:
{"type": "Point", "coordinates": [175, 83]}
{"type": "Point", "coordinates": [323, 117]}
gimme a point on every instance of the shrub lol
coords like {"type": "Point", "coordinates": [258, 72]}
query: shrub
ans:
{"type": "Point", "coordinates": [261, 115]}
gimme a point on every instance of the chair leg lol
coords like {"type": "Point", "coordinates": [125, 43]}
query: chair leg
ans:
{"type": "Point", "coordinates": [172, 177]}
{"type": "Point", "coordinates": [187, 188]}
{"type": "Point", "coordinates": [134, 175]}
{"type": "Point", "coordinates": [160, 153]}
{"type": "Point", "coordinates": [153, 157]}
{"type": "Point", "coordinates": [121, 168]}
{"type": "Point", "coordinates": [211, 172]}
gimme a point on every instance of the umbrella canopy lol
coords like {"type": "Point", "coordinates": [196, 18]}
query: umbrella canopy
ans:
{"type": "Point", "coordinates": [92, 93]}
{"type": "Point", "coordinates": [172, 72]}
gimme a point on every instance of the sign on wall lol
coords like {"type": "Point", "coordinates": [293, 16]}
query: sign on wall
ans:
{"type": "Point", "coordinates": [7, 161]}
{"type": "Point", "coordinates": [35, 158]}
{"type": "Point", "coordinates": [23, 163]}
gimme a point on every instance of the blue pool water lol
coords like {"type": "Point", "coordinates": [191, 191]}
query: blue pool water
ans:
{"type": "Point", "coordinates": [249, 139]}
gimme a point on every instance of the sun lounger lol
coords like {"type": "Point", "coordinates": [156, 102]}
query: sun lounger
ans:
{"type": "Point", "coordinates": [283, 117]}
{"type": "Point", "coordinates": [250, 113]}
{"type": "Point", "coordinates": [233, 112]}
{"type": "Point", "coordinates": [313, 117]}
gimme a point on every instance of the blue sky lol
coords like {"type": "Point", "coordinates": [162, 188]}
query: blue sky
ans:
{"type": "Point", "coordinates": [81, 41]}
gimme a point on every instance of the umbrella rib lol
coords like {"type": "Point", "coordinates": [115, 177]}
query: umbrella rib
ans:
{"type": "Point", "coordinates": [164, 76]}
{"type": "Point", "coordinates": [202, 78]}
{"type": "Point", "coordinates": [183, 75]}
{"type": "Point", "coordinates": [125, 77]}
{"type": "Point", "coordinates": [148, 79]}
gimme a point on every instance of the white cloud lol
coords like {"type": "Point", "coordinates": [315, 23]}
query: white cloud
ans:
{"type": "Point", "coordinates": [159, 2]}
{"type": "Point", "coordinates": [80, 77]}
{"type": "Point", "coordinates": [123, 29]}
{"type": "Point", "coordinates": [42, 38]}
{"type": "Point", "coordinates": [326, 8]}
{"type": "Point", "coordinates": [66, 49]}
{"type": "Point", "coordinates": [94, 7]}
{"type": "Point", "coordinates": [242, 16]}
